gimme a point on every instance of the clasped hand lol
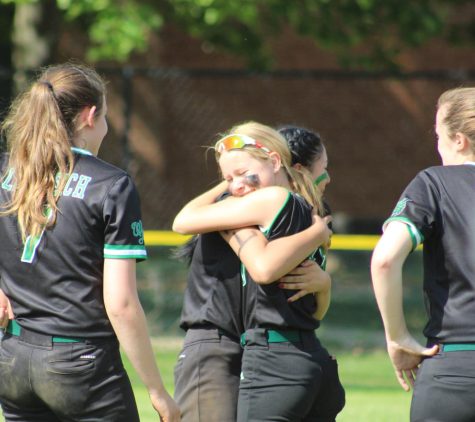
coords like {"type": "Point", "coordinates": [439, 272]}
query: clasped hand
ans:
{"type": "Point", "coordinates": [307, 278]}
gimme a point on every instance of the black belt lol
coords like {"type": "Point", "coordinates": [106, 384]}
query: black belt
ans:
{"type": "Point", "coordinates": [15, 330]}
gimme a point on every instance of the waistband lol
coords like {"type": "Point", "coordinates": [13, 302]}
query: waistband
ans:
{"type": "Point", "coordinates": [209, 333]}
{"type": "Point", "coordinates": [457, 347]}
{"type": "Point", "coordinates": [16, 330]}
{"type": "Point", "coordinates": [276, 336]}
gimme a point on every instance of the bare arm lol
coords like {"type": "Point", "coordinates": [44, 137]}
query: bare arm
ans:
{"type": "Point", "coordinates": [203, 214]}
{"type": "Point", "coordinates": [128, 320]}
{"type": "Point", "coordinates": [269, 261]}
{"type": "Point", "coordinates": [323, 304]}
{"type": "Point", "coordinates": [386, 270]}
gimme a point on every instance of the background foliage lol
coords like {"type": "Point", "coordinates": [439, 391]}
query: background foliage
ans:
{"type": "Point", "coordinates": [368, 33]}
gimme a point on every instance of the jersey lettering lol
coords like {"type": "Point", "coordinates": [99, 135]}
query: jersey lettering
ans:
{"type": "Point", "coordinates": [79, 189]}
{"type": "Point", "coordinates": [137, 230]}
{"type": "Point", "coordinates": [67, 191]}
{"type": "Point", "coordinates": [81, 186]}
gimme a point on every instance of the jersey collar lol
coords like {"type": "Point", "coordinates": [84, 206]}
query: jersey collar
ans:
{"type": "Point", "coordinates": [81, 151]}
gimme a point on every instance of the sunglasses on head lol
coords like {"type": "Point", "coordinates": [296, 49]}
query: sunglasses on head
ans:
{"type": "Point", "coordinates": [237, 141]}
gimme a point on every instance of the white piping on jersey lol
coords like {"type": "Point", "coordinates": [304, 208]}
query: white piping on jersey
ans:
{"type": "Point", "coordinates": [81, 151]}
{"type": "Point", "coordinates": [124, 251]}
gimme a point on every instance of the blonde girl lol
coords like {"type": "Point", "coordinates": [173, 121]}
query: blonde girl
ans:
{"type": "Point", "coordinates": [279, 333]}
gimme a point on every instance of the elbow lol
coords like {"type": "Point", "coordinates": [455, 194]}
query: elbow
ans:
{"type": "Point", "coordinates": [186, 225]}
{"type": "Point", "coordinates": [179, 226]}
{"type": "Point", "coordinates": [261, 274]}
{"type": "Point", "coordinates": [381, 264]}
{"type": "Point", "coordinates": [120, 310]}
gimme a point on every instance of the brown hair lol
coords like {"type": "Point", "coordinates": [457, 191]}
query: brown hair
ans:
{"type": "Point", "coordinates": [460, 115]}
{"type": "Point", "coordinates": [39, 129]}
{"type": "Point", "coordinates": [300, 180]}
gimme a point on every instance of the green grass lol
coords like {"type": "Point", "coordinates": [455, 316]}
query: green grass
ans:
{"type": "Point", "coordinates": [372, 392]}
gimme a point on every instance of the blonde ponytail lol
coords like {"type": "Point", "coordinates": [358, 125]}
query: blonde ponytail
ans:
{"type": "Point", "coordinates": [39, 130]}
{"type": "Point", "coordinates": [301, 182]}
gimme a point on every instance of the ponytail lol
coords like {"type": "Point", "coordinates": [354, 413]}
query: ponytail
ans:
{"type": "Point", "coordinates": [301, 182]}
{"type": "Point", "coordinates": [39, 129]}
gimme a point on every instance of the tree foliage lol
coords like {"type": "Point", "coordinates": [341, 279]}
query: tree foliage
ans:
{"type": "Point", "coordinates": [368, 33]}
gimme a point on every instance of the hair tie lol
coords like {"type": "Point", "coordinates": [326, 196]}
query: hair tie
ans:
{"type": "Point", "coordinates": [48, 84]}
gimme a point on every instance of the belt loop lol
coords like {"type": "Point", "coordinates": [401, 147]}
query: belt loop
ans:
{"type": "Point", "coordinates": [30, 337]}
{"type": "Point", "coordinates": [255, 337]}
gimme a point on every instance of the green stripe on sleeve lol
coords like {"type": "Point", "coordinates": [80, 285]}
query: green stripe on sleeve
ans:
{"type": "Point", "coordinates": [125, 251]}
{"type": "Point", "coordinates": [416, 236]}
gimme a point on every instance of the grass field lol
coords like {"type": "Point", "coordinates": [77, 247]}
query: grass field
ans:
{"type": "Point", "coordinates": [352, 327]}
{"type": "Point", "coordinates": [372, 392]}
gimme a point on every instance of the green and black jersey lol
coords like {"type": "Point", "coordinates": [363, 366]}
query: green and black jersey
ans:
{"type": "Point", "coordinates": [438, 207]}
{"type": "Point", "coordinates": [213, 293]}
{"type": "Point", "coordinates": [266, 306]}
{"type": "Point", "coordinates": [55, 281]}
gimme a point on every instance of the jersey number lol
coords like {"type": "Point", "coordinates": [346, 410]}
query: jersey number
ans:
{"type": "Point", "coordinates": [31, 244]}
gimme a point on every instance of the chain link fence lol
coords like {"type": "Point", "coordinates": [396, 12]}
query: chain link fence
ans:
{"type": "Point", "coordinates": [377, 127]}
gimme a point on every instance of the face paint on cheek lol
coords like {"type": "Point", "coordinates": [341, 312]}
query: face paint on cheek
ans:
{"type": "Point", "coordinates": [320, 178]}
{"type": "Point", "coordinates": [253, 181]}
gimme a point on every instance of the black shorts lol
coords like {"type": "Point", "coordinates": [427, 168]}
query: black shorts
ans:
{"type": "Point", "coordinates": [42, 380]}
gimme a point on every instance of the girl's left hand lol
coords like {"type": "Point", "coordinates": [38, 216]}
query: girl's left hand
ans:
{"type": "Point", "coordinates": [307, 278]}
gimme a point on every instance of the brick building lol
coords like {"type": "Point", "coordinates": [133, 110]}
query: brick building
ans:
{"type": "Point", "coordinates": [378, 129]}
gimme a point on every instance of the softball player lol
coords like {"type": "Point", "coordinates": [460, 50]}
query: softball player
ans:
{"type": "Point", "coordinates": [308, 152]}
{"type": "Point", "coordinates": [208, 370]}
{"type": "Point", "coordinates": [71, 233]}
{"type": "Point", "coordinates": [436, 209]}
{"type": "Point", "coordinates": [258, 153]}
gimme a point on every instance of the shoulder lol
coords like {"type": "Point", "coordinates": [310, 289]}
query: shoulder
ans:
{"type": "Point", "coordinates": [437, 176]}
{"type": "Point", "coordinates": [442, 172]}
{"type": "Point", "coordinates": [427, 178]}
{"type": "Point", "coordinates": [95, 164]}
{"type": "Point", "coordinates": [276, 194]}
{"type": "Point", "coordinates": [102, 173]}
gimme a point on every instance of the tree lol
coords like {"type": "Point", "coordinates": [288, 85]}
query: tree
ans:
{"type": "Point", "coordinates": [369, 33]}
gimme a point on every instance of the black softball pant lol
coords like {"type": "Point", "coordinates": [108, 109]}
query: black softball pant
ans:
{"type": "Point", "coordinates": [445, 388]}
{"type": "Point", "coordinates": [292, 381]}
{"type": "Point", "coordinates": [43, 381]}
{"type": "Point", "coordinates": [207, 376]}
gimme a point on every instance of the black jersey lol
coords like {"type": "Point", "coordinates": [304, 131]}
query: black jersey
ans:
{"type": "Point", "coordinates": [438, 208]}
{"type": "Point", "coordinates": [55, 281]}
{"type": "Point", "coordinates": [213, 293]}
{"type": "Point", "coordinates": [266, 306]}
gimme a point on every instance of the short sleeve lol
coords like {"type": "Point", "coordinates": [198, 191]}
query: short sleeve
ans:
{"type": "Point", "coordinates": [417, 208]}
{"type": "Point", "coordinates": [123, 236]}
